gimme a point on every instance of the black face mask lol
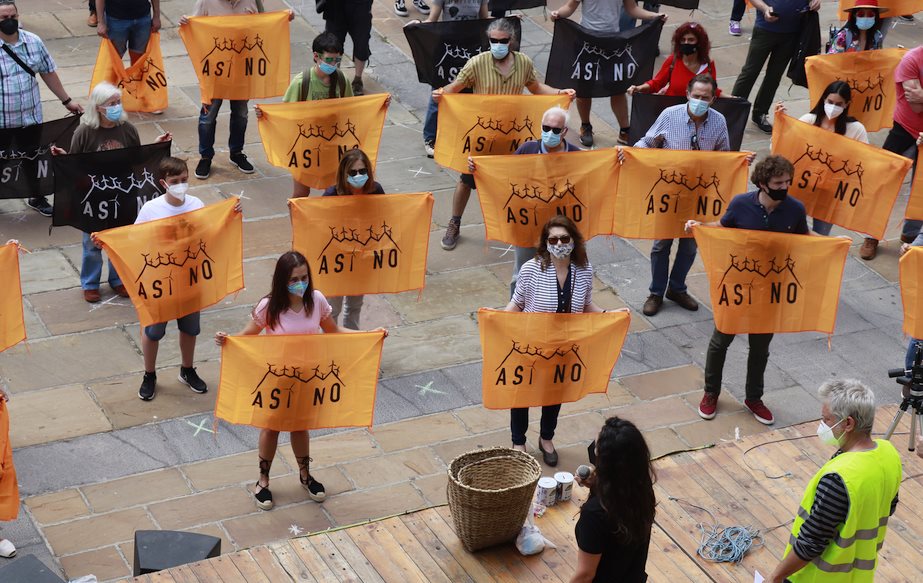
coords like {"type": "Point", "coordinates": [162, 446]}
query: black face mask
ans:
{"type": "Point", "coordinates": [9, 26]}
{"type": "Point", "coordinates": [688, 49]}
{"type": "Point", "coordinates": [777, 194]}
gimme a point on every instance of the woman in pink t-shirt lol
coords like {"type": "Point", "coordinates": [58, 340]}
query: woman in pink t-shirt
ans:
{"type": "Point", "coordinates": [293, 306]}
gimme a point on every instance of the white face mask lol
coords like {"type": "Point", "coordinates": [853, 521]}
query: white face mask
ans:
{"type": "Point", "coordinates": [833, 111]}
{"type": "Point", "coordinates": [826, 435]}
{"type": "Point", "coordinates": [178, 191]}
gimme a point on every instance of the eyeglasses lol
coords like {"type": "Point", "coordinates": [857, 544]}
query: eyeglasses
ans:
{"type": "Point", "coordinates": [563, 239]}
{"type": "Point", "coordinates": [552, 130]}
{"type": "Point", "coordinates": [362, 171]}
{"type": "Point", "coordinates": [502, 41]}
{"type": "Point", "coordinates": [694, 142]}
{"type": "Point", "coordinates": [330, 60]}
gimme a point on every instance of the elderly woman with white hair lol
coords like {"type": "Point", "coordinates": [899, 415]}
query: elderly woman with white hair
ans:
{"type": "Point", "coordinates": [104, 126]}
{"type": "Point", "coordinates": [841, 523]}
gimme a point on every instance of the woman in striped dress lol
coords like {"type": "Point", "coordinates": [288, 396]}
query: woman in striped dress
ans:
{"type": "Point", "coordinates": [558, 279]}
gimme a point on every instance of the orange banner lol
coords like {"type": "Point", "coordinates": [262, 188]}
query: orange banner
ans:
{"type": "Point", "coordinates": [143, 84]}
{"type": "Point", "coordinates": [299, 382]}
{"type": "Point", "coordinates": [915, 204]}
{"type": "Point", "coordinates": [896, 7]}
{"type": "Point", "coordinates": [911, 276]}
{"type": "Point", "coordinates": [840, 180]}
{"type": "Point", "coordinates": [245, 56]}
{"type": "Point", "coordinates": [364, 244]}
{"type": "Point", "coordinates": [176, 266]}
{"type": "Point", "coordinates": [519, 194]}
{"type": "Point", "coordinates": [12, 327]}
{"type": "Point", "coordinates": [533, 359]}
{"type": "Point", "coordinates": [483, 125]}
{"type": "Point", "coordinates": [870, 75]}
{"type": "Point", "coordinates": [762, 282]}
{"type": "Point", "coordinates": [659, 190]}
{"type": "Point", "coordinates": [308, 138]}
{"type": "Point", "coordinates": [9, 487]}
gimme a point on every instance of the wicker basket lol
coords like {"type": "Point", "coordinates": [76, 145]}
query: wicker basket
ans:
{"type": "Point", "coordinates": [490, 494]}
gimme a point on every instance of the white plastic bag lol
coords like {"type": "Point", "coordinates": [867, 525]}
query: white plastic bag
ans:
{"type": "Point", "coordinates": [530, 540]}
{"type": "Point", "coordinates": [84, 579]}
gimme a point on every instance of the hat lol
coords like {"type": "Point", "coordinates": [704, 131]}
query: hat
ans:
{"type": "Point", "coordinates": [873, 4]}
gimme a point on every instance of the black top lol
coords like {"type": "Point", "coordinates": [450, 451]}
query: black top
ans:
{"type": "Point", "coordinates": [565, 293]}
{"type": "Point", "coordinates": [619, 562]}
{"type": "Point", "coordinates": [332, 190]}
{"type": "Point", "coordinates": [746, 212]}
{"type": "Point", "coordinates": [128, 9]}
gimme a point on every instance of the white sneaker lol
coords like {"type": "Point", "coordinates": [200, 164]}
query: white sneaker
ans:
{"type": "Point", "coordinates": [7, 550]}
{"type": "Point", "coordinates": [430, 148]}
{"type": "Point", "coordinates": [400, 8]}
{"type": "Point", "coordinates": [422, 6]}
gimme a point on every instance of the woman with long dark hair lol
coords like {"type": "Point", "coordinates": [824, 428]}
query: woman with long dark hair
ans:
{"type": "Point", "coordinates": [614, 529]}
{"type": "Point", "coordinates": [292, 306]}
{"type": "Point", "coordinates": [558, 279]}
{"type": "Point", "coordinates": [690, 57]}
{"type": "Point", "coordinates": [862, 31]}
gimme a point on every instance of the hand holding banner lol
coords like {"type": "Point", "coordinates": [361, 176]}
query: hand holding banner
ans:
{"type": "Point", "coordinates": [308, 138]}
{"type": "Point", "coordinates": [646, 107]}
{"type": "Point", "coordinates": [244, 56]}
{"type": "Point", "coordinates": [25, 157]}
{"type": "Point", "coordinates": [299, 382]}
{"type": "Point", "coordinates": [830, 175]}
{"type": "Point", "coordinates": [659, 190]}
{"type": "Point", "coordinates": [911, 276]}
{"type": "Point", "coordinates": [364, 244]}
{"type": "Point", "coordinates": [9, 487]}
{"type": "Point", "coordinates": [533, 359]}
{"type": "Point", "coordinates": [143, 84]}
{"type": "Point", "coordinates": [179, 265]}
{"type": "Point", "coordinates": [763, 283]}
{"type": "Point", "coordinates": [518, 194]}
{"type": "Point", "coordinates": [482, 125]}
{"type": "Point", "coordinates": [12, 325]}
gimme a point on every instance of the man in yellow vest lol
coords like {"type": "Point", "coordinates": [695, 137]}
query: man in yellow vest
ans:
{"type": "Point", "coordinates": [843, 517]}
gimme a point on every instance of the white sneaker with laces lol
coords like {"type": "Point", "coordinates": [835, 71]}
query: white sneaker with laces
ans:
{"type": "Point", "coordinates": [400, 8]}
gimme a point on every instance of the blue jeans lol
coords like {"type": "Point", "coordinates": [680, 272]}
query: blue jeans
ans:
{"type": "Point", "coordinates": [207, 124]}
{"type": "Point", "coordinates": [822, 227]}
{"type": "Point", "coordinates": [129, 34]}
{"type": "Point", "coordinates": [660, 265]}
{"type": "Point", "coordinates": [431, 120]}
{"type": "Point", "coordinates": [91, 268]}
{"type": "Point", "coordinates": [911, 352]}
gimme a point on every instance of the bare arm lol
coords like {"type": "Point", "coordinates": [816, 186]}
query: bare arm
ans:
{"type": "Point", "coordinates": [512, 307]}
{"type": "Point", "coordinates": [538, 88]}
{"type": "Point", "coordinates": [913, 93]}
{"type": "Point", "coordinates": [155, 15]}
{"type": "Point", "coordinates": [251, 329]}
{"type": "Point", "coordinates": [789, 565]}
{"type": "Point", "coordinates": [484, 13]}
{"type": "Point", "coordinates": [101, 15]}
{"type": "Point", "coordinates": [635, 11]}
{"type": "Point", "coordinates": [566, 10]}
{"type": "Point", "coordinates": [586, 567]}
{"type": "Point", "coordinates": [434, 13]}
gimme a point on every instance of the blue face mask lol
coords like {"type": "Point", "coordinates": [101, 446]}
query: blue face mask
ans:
{"type": "Point", "coordinates": [298, 288]}
{"type": "Point", "coordinates": [499, 50]}
{"type": "Point", "coordinates": [357, 181]}
{"type": "Point", "coordinates": [327, 68]}
{"type": "Point", "coordinates": [551, 139]}
{"type": "Point", "coordinates": [114, 112]}
{"type": "Point", "coordinates": [697, 107]}
{"type": "Point", "coordinates": [865, 23]}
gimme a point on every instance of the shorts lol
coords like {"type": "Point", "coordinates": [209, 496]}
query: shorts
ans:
{"type": "Point", "coordinates": [468, 180]}
{"type": "Point", "coordinates": [188, 324]}
{"type": "Point", "coordinates": [353, 18]}
{"type": "Point", "coordinates": [132, 34]}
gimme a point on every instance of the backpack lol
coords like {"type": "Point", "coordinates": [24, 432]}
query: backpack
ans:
{"type": "Point", "coordinates": [306, 82]}
{"type": "Point", "coordinates": [808, 46]}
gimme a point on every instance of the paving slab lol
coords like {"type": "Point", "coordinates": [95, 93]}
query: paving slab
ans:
{"type": "Point", "coordinates": [355, 507]}
{"type": "Point", "coordinates": [55, 414]}
{"type": "Point", "coordinates": [429, 345]}
{"type": "Point", "coordinates": [447, 294]}
{"type": "Point", "coordinates": [46, 270]}
{"type": "Point", "coordinates": [57, 506]}
{"type": "Point", "coordinates": [431, 391]}
{"type": "Point", "coordinates": [64, 311]}
{"type": "Point", "coordinates": [263, 527]}
{"type": "Point", "coordinates": [437, 427]}
{"type": "Point", "coordinates": [393, 468]}
{"type": "Point", "coordinates": [97, 531]}
{"type": "Point", "coordinates": [664, 383]}
{"type": "Point", "coordinates": [136, 490]}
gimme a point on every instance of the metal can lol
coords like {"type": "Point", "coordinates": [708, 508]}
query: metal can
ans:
{"type": "Point", "coordinates": [547, 491]}
{"type": "Point", "coordinates": [564, 482]}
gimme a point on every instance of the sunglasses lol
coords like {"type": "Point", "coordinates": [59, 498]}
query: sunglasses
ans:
{"type": "Point", "coordinates": [330, 60]}
{"type": "Point", "coordinates": [552, 130]}
{"type": "Point", "coordinates": [362, 171]}
{"type": "Point", "coordinates": [502, 41]}
{"type": "Point", "coordinates": [554, 240]}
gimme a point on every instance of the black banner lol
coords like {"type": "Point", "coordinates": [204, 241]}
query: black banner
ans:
{"type": "Point", "coordinates": [684, 4]}
{"type": "Point", "coordinates": [514, 4]}
{"type": "Point", "coordinates": [441, 49]}
{"type": "Point", "coordinates": [601, 65]}
{"type": "Point", "coordinates": [25, 157]}
{"type": "Point", "coordinates": [101, 190]}
{"type": "Point", "coordinates": [645, 108]}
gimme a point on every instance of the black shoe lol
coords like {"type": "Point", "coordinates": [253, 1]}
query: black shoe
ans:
{"type": "Point", "coordinates": [652, 305]}
{"type": "Point", "coordinates": [240, 160]}
{"type": "Point", "coordinates": [263, 497]}
{"type": "Point", "coordinates": [358, 87]}
{"type": "Point", "coordinates": [586, 134]}
{"type": "Point", "coordinates": [762, 122]}
{"type": "Point", "coordinates": [40, 203]}
{"type": "Point", "coordinates": [315, 489]}
{"type": "Point", "coordinates": [684, 300]}
{"type": "Point", "coordinates": [148, 384]}
{"type": "Point", "coordinates": [188, 376]}
{"type": "Point", "coordinates": [203, 168]}
{"type": "Point", "coordinates": [549, 457]}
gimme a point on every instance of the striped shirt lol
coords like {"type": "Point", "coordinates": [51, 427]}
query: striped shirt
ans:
{"type": "Point", "coordinates": [20, 102]}
{"type": "Point", "coordinates": [482, 75]}
{"type": "Point", "coordinates": [680, 132]}
{"type": "Point", "coordinates": [537, 290]}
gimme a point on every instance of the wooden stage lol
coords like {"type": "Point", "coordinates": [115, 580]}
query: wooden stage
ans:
{"type": "Point", "coordinates": [757, 481]}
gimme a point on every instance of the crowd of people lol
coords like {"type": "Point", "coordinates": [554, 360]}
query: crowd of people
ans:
{"type": "Point", "coordinates": [555, 275]}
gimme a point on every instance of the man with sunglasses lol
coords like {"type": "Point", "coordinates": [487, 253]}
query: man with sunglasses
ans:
{"type": "Point", "coordinates": [689, 126]}
{"type": "Point", "coordinates": [501, 71]}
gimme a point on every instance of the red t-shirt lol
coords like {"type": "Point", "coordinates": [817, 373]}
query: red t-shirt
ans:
{"type": "Point", "coordinates": [680, 77]}
{"type": "Point", "coordinates": [910, 67]}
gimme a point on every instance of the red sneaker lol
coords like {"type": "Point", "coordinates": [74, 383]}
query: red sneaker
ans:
{"type": "Point", "coordinates": [760, 411]}
{"type": "Point", "coordinates": [708, 408]}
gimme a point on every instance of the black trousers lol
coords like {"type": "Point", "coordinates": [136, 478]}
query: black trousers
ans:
{"type": "Point", "coordinates": [519, 423]}
{"type": "Point", "coordinates": [756, 363]}
{"type": "Point", "coordinates": [779, 48]}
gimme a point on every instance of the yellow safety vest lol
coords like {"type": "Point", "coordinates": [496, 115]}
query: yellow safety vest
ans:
{"type": "Point", "coordinates": [872, 479]}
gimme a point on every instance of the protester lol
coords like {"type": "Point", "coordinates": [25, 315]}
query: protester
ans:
{"type": "Point", "coordinates": [841, 522]}
{"type": "Point", "coordinates": [689, 126]}
{"type": "Point", "coordinates": [501, 71]}
{"type": "Point", "coordinates": [628, 22]}
{"type": "Point", "coordinates": [831, 113]}
{"type": "Point", "coordinates": [775, 37]}
{"type": "Point", "coordinates": [104, 126]}
{"type": "Point", "coordinates": [128, 24]}
{"type": "Point", "coordinates": [353, 17]}
{"type": "Point", "coordinates": [614, 529]}
{"type": "Point", "coordinates": [292, 306]}
{"type": "Point", "coordinates": [737, 14]}
{"type": "Point", "coordinates": [917, 242]}
{"type": "Point", "coordinates": [9, 487]}
{"type": "Point", "coordinates": [862, 31]}
{"type": "Point", "coordinates": [354, 176]}
{"type": "Point", "coordinates": [908, 125]}
{"type": "Point", "coordinates": [92, 19]}
{"type": "Point", "coordinates": [769, 208]}
{"type": "Point", "coordinates": [400, 6]}
{"type": "Point", "coordinates": [20, 101]}
{"type": "Point", "coordinates": [602, 17]}
{"type": "Point", "coordinates": [558, 279]}
{"type": "Point", "coordinates": [690, 57]}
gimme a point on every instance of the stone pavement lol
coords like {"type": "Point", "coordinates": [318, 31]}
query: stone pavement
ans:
{"type": "Point", "coordinates": [95, 463]}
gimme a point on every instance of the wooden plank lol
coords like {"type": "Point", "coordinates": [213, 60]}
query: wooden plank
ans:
{"type": "Point", "coordinates": [667, 558]}
{"type": "Point", "coordinates": [416, 551]}
{"type": "Point", "coordinates": [311, 557]}
{"type": "Point", "coordinates": [384, 553]}
{"type": "Point", "coordinates": [354, 557]}
{"type": "Point", "coordinates": [183, 574]}
{"type": "Point", "coordinates": [501, 571]}
{"type": "Point", "coordinates": [292, 563]}
{"type": "Point", "coordinates": [250, 569]}
{"type": "Point", "coordinates": [158, 577]}
{"type": "Point", "coordinates": [557, 525]}
{"type": "Point", "coordinates": [226, 569]}
{"type": "Point", "coordinates": [334, 558]}
{"type": "Point", "coordinates": [438, 525]}
{"type": "Point", "coordinates": [206, 572]}
{"type": "Point", "coordinates": [416, 525]}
